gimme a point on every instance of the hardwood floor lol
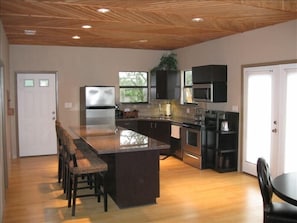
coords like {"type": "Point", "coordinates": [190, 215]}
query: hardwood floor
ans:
{"type": "Point", "coordinates": [187, 195]}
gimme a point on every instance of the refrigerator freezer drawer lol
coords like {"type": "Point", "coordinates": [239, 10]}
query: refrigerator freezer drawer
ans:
{"type": "Point", "coordinates": [100, 116]}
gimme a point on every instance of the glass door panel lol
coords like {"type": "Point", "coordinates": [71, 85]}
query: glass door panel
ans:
{"type": "Point", "coordinates": [258, 116]}
{"type": "Point", "coordinates": [269, 118]}
{"type": "Point", "coordinates": [291, 119]}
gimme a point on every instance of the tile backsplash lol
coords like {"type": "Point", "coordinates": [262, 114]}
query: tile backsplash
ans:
{"type": "Point", "coordinates": [158, 108]}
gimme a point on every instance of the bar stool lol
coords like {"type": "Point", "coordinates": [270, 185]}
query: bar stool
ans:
{"type": "Point", "coordinates": [91, 167]}
{"type": "Point", "coordinates": [59, 150]}
{"type": "Point", "coordinates": [63, 156]}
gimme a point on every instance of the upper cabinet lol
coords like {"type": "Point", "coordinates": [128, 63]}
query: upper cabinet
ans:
{"type": "Point", "coordinates": [165, 84]}
{"type": "Point", "coordinates": [209, 83]}
{"type": "Point", "coordinates": [209, 74]}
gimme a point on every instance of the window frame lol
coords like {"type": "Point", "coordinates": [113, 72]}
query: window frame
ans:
{"type": "Point", "coordinates": [186, 86]}
{"type": "Point", "coordinates": [133, 86]}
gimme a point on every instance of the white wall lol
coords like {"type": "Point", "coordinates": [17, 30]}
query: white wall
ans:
{"type": "Point", "coordinates": [79, 66]}
{"type": "Point", "coordinates": [270, 44]}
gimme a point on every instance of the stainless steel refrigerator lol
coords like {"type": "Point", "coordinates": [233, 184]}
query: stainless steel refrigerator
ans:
{"type": "Point", "coordinates": [97, 105]}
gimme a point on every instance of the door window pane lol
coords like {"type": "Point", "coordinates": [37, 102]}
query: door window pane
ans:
{"type": "Point", "coordinates": [43, 83]}
{"type": "Point", "coordinates": [29, 83]}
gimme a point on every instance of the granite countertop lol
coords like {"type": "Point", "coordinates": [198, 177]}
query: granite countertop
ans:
{"type": "Point", "coordinates": [107, 140]}
{"type": "Point", "coordinates": [174, 120]}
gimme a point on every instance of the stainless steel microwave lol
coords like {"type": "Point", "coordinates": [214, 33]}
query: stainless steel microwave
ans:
{"type": "Point", "coordinates": [210, 92]}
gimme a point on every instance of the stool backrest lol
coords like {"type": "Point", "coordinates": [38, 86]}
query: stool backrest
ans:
{"type": "Point", "coordinates": [70, 147]}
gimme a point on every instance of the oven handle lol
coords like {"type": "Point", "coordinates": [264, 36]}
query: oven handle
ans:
{"type": "Point", "coordinates": [194, 157]}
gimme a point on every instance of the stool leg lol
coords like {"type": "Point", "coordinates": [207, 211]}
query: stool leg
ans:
{"type": "Point", "coordinates": [97, 187]}
{"type": "Point", "coordinates": [104, 192]}
{"type": "Point", "coordinates": [69, 190]}
{"type": "Point", "coordinates": [59, 169]}
{"type": "Point", "coordinates": [74, 194]}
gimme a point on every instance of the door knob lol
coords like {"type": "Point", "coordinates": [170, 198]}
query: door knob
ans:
{"type": "Point", "coordinates": [274, 130]}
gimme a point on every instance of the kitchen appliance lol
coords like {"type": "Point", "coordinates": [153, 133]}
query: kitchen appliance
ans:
{"type": "Point", "coordinates": [168, 109]}
{"type": "Point", "coordinates": [224, 126]}
{"type": "Point", "coordinates": [192, 146]}
{"type": "Point", "coordinates": [97, 105]}
{"type": "Point", "coordinates": [210, 92]}
{"type": "Point", "coordinates": [209, 83]}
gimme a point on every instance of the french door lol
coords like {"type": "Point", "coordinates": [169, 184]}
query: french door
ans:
{"type": "Point", "coordinates": [269, 117]}
{"type": "Point", "coordinates": [36, 95]}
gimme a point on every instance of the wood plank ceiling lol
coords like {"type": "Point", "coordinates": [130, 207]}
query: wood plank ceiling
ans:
{"type": "Point", "coordinates": [138, 24]}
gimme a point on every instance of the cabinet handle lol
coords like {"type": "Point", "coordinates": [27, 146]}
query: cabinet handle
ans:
{"type": "Point", "coordinates": [194, 157]}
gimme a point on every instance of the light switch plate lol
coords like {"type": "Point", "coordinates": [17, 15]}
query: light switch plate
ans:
{"type": "Point", "coordinates": [235, 108]}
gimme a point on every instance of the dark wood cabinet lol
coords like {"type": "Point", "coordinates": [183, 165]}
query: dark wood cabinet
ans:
{"type": "Point", "coordinates": [128, 124]}
{"type": "Point", "coordinates": [128, 180]}
{"type": "Point", "coordinates": [165, 84]}
{"type": "Point", "coordinates": [209, 74]}
{"type": "Point", "coordinates": [159, 130]}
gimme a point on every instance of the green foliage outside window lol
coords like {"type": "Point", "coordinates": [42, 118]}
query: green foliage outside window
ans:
{"type": "Point", "coordinates": [133, 87]}
{"type": "Point", "coordinates": [188, 78]}
{"type": "Point", "coordinates": [188, 87]}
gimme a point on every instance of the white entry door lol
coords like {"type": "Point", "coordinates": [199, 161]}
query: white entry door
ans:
{"type": "Point", "coordinates": [269, 117]}
{"type": "Point", "coordinates": [36, 95]}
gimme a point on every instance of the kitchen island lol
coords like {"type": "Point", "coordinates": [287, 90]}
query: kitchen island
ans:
{"type": "Point", "coordinates": [133, 163]}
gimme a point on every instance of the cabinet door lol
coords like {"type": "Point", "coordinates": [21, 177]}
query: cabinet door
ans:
{"type": "Point", "coordinates": [128, 124]}
{"type": "Point", "coordinates": [161, 85]}
{"type": "Point", "coordinates": [173, 85]}
{"type": "Point", "coordinates": [165, 85]}
{"type": "Point", "coordinates": [209, 73]}
{"type": "Point", "coordinates": [161, 131]}
{"type": "Point", "coordinates": [144, 127]}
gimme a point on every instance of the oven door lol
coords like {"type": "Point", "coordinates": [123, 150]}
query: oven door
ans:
{"type": "Point", "coordinates": [192, 141]}
{"type": "Point", "coordinates": [193, 160]}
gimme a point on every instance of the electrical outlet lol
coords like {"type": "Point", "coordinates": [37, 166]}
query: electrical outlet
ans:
{"type": "Point", "coordinates": [188, 111]}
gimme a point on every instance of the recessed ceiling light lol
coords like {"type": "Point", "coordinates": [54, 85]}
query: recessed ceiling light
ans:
{"type": "Point", "coordinates": [76, 37]}
{"type": "Point", "coordinates": [30, 32]}
{"type": "Point", "coordinates": [197, 19]}
{"type": "Point", "coordinates": [139, 41]}
{"type": "Point", "coordinates": [103, 10]}
{"type": "Point", "coordinates": [86, 26]}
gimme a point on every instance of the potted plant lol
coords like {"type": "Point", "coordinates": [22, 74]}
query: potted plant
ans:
{"type": "Point", "coordinates": [167, 62]}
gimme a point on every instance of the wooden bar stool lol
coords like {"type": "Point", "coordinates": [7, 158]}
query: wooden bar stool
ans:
{"type": "Point", "coordinates": [91, 167]}
{"type": "Point", "coordinates": [59, 150]}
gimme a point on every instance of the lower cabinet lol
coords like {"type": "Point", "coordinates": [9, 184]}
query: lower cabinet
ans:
{"type": "Point", "coordinates": [129, 183]}
{"type": "Point", "coordinates": [159, 130]}
{"type": "Point", "coordinates": [128, 124]}
{"type": "Point", "coordinates": [219, 147]}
